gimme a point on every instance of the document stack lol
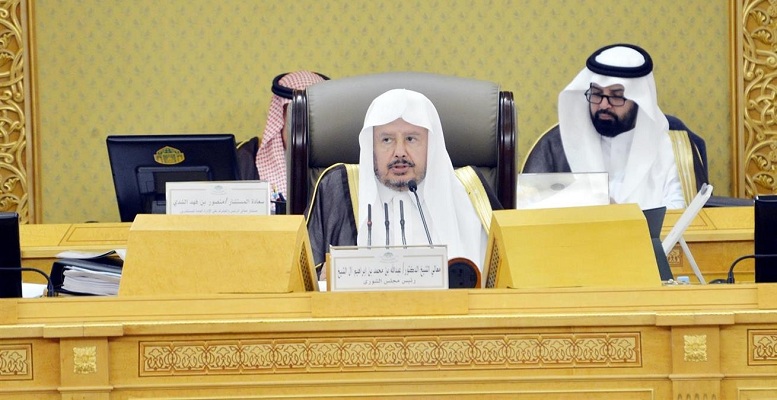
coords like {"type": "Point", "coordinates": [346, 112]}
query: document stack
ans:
{"type": "Point", "coordinates": [98, 276]}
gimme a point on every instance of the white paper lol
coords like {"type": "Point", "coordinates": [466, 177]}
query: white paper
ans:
{"type": "Point", "coordinates": [560, 189]}
{"type": "Point", "coordinates": [388, 268]}
{"type": "Point", "coordinates": [233, 197]}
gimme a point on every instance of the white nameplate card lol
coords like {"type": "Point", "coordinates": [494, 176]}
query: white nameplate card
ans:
{"type": "Point", "coordinates": [388, 268]}
{"type": "Point", "coordinates": [226, 198]}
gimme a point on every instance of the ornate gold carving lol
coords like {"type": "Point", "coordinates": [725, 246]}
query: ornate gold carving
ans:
{"type": "Point", "coordinates": [16, 362]}
{"type": "Point", "coordinates": [675, 256]}
{"type": "Point", "coordinates": [85, 360]}
{"type": "Point", "coordinates": [493, 268]}
{"type": "Point", "coordinates": [593, 350]}
{"type": "Point", "coordinates": [307, 280]}
{"type": "Point", "coordinates": [695, 347]}
{"type": "Point", "coordinates": [763, 347]}
{"type": "Point", "coordinates": [14, 185]}
{"type": "Point", "coordinates": [759, 63]}
{"type": "Point", "coordinates": [169, 156]}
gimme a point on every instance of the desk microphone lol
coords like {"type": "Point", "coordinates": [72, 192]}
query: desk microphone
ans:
{"type": "Point", "coordinates": [402, 222]}
{"type": "Point", "coordinates": [369, 225]}
{"type": "Point", "coordinates": [385, 209]}
{"type": "Point", "coordinates": [412, 185]}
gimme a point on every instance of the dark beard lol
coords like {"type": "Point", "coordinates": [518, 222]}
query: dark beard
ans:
{"type": "Point", "coordinates": [398, 184]}
{"type": "Point", "coordinates": [615, 126]}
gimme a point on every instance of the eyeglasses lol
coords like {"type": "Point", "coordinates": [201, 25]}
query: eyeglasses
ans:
{"type": "Point", "coordinates": [596, 98]}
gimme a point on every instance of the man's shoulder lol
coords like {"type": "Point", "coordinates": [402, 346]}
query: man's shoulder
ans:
{"type": "Point", "coordinates": [547, 154]}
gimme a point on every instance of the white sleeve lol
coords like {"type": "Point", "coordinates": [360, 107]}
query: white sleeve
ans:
{"type": "Point", "coordinates": [673, 189]}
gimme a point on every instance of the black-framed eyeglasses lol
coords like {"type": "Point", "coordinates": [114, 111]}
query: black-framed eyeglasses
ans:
{"type": "Point", "coordinates": [596, 98]}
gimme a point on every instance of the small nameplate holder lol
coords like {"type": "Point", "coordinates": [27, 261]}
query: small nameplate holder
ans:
{"type": "Point", "coordinates": [225, 198]}
{"type": "Point", "coordinates": [388, 268]}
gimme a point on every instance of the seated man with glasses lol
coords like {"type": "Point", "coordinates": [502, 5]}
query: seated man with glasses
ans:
{"type": "Point", "coordinates": [609, 121]}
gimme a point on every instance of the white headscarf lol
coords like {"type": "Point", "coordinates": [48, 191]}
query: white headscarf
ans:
{"type": "Point", "coordinates": [650, 176]}
{"type": "Point", "coordinates": [447, 208]}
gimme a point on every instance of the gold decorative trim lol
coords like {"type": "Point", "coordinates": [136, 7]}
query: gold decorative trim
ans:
{"type": "Point", "coordinates": [85, 360]}
{"type": "Point", "coordinates": [754, 87]}
{"type": "Point", "coordinates": [16, 362]}
{"type": "Point", "coordinates": [249, 356]}
{"type": "Point", "coordinates": [14, 111]}
{"type": "Point", "coordinates": [763, 347]}
{"type": "Point", "coordinates": [695, 347]}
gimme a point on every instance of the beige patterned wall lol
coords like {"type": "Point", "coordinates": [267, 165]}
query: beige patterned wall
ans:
{"type": "Point", "coordinates": [127, 66]}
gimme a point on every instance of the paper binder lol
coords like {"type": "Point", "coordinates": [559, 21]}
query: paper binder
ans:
{"type": "Point", "coordinates": [58, 268]}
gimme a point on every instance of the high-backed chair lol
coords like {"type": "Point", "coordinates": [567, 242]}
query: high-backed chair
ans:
{"type": "Point", "coordinates": [478, 121]}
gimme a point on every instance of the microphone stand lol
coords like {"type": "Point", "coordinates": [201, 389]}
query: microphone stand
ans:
{"type": "Point", "coordinates": [402, 222]}
{"type": "Point", "coordinates": [412, 185]}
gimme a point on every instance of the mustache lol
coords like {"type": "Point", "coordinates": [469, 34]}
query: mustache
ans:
{"type": "Point", "coordinates": [608, 112]}
{"type": "Point", "coordinates": [401, 161]}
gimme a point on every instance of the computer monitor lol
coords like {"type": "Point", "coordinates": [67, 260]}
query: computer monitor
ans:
{"type": "Point", "coordinates": [142, 164]}
{"type": "Point", "coordinates": [10, 256]}
{"type": "Point", "coordinates": [765, 238]}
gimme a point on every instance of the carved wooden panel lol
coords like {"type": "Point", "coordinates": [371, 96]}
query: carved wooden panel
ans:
{"type": "Point", "coordinates": [763, 347]}
{"type": "Point", "coordinates": [755, 124]}
{"type": "Point", "coordinates": [16, 362]}
{"type": "Point", "coordinates": [15, 104]}
{"type": "Point", "coordinates": [590, 350]}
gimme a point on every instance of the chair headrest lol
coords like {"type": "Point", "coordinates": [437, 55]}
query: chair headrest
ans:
{"type": "Point", "coordinates": [467, 107]}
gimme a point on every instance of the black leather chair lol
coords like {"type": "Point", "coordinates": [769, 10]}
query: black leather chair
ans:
{"type": "Point", "coordinates": [478, 121]}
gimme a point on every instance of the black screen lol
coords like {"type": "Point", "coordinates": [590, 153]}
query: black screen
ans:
{"type": "Point", "coordinates": [143, 164]}
{"type": "Point", "coordinates": [10, 255]}
{"type": "Point", "coordinates": [765, 238]}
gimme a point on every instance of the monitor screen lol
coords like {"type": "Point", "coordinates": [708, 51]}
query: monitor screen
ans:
{"type": "Point", "coordinates": [10, 256]}
{"type": "Point", "coordinates": [765, 238]}
{"type": "Point", "coordinates": [142, 164]}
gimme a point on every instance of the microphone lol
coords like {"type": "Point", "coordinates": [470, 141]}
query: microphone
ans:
{"type": "Point", "coordinates": [385, 209]}
{"type": "Point", "coordinates": [369, 225]}
{"type": "Point", "coordinates": [412, 185]}
{"type": "Point", "coordinates": [402, 222]}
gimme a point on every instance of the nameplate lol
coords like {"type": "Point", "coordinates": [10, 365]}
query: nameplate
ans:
{"type": "Point", "coordinates": [388, 268]}
{"type": "Point", "coordinates": [226, 198]}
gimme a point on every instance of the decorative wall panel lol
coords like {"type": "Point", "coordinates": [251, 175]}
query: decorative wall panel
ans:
{"type": "Point", "coordinates": [15, 116]}
{"type": "Point", "coordinates": [593, 350]}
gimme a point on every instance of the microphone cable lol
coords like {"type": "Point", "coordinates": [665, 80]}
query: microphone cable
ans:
{"type": "Point", "coordinates": [730, 276]}
{"type": "Point", "coordinates": [49, 286]}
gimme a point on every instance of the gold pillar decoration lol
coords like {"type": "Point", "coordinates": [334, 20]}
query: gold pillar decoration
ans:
{"type": "Point", "coordinates": [85, 360]}
{"type": "Point", "coordinates": [15, 155]}
{"type": "Point", "coordinates": [695, 349]}
{"type": "Point", "coordinates": [754, 84]}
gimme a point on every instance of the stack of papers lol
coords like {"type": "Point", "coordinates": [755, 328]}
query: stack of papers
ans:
{"type": "Point", "coordinates": [84, 280]}
{"type": "Point", "coordinates": [84, 273]}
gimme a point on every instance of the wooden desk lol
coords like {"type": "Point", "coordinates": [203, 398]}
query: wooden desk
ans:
{"type": "Point", "coordinates": [40, 243]}
{"type": "Point", "coordinates": [688, 342]}
{"type": "Point", "coordinates": [716, 238]}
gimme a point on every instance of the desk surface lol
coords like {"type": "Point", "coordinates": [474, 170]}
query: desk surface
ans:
{"type": "Point", "coordinates": [717, 236]}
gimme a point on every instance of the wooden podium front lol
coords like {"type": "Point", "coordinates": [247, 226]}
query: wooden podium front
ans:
{"type": "Point", "coordinates": [688, 342]}
{"type": "Point", "coordinates": [669, 342]}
